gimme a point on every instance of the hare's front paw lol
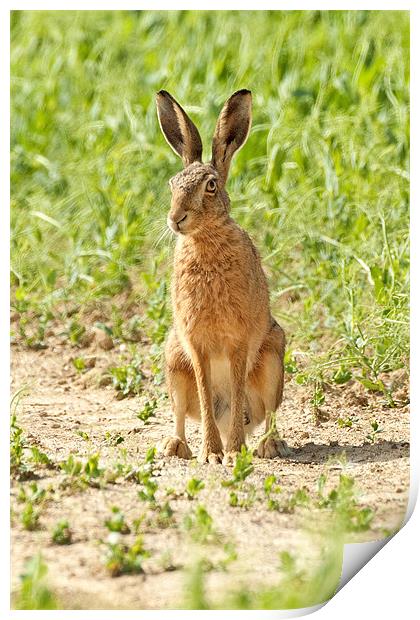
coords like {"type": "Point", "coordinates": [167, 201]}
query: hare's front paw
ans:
{"type": "Point", "coordinates": [272, 446]}
{"type": "Point", "coordinates": [174, 446]}
{"type": "Point", "coordinates": [211, 452]}
{"type": "Point", "coordinates": [230, 457]}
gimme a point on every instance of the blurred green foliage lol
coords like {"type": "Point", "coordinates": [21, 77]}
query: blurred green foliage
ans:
{"type": "Point", "coordinates": [322, 184]}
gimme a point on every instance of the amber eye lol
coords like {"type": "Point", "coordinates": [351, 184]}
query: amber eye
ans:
{"type": "Point", "coordinates": [211, 186]}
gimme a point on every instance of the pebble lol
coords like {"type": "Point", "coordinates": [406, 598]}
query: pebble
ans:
{"type": "Point", "coordinates": [105, 380]}
{"type": "Point", "coordinates": [103, 340]}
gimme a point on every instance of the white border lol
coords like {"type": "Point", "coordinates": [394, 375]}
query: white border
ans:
{"type": "Point", "coordinates": [387, 586]}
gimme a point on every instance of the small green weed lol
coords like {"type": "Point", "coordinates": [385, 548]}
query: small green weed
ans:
{"type": "Point", "coordinates": [33, 498]}
{"type": "Point", "coordinates": [299, 499]}
{"type": "Point", "coordinates": [272, 488]}
{"type": "Point", "coordinates": [32, 326]}
{"type": "Point", "coordinates": [221, 563]}
{"type": "Point", "coordinates": [61, 533]}
{"type": "Point", "coordinates": [113, 439]}
{"type": "Point", "coordinates": [127, 379]}
{"type": "Point", "coordinates": [242, 494]}
{"type": "Point", "coordinates": [93, 473]}
{"type": "Point", "coordinates": [18, 467]}
{"type": "Point", "coordinates": [144, 476]}
{"type": "Point", "coordinates": [194, 486]}
{"type": "Point", "coordinates": [342, 375]}
{"type": "Point", "coordinates": [242, 468]}
{"type": "Point", "coordinates": [79, 363]}
{"type": "Point", "coordinates": [117, 523]}
{"type": "Point", "coordinates": [71, 466]}
{"type": "Point", "coordinates": [342, 503]}
{"type": "Point", "coordinates": [17, 444]}
{"type": "Point", "coordinates": [39, 458]}
{"type": "Point", "coordinates": [122, 558]}
{"type": "Point", "coordinates": [163, 513]}
{"type": "Point", "coordinates": [371, 437]}
{"type": "Point", "coordinates": [147, 411]}
{"type": "Point", "coordinates": [75, 332]}
{"type": "Point", "coordinates": [87, 473]}
{"type": "Point", "coordinates": [164, 516]}
{"type": "Point", "coordinates": [200, 525]}
{"type": "Point", "coordinates": [290, 364]}
{"type": "Point", "coordinates": [32, 493]}
{"type": "Point", "coordinates": [30, 516]}
{"type": "Point", "coordinates": [157, 310]}
{"type": "Point", "coordinates": [347, 422]}
{"type": "Point", "coordinates": [318, 397]}
{"type": "Point", "coordinates": [243, 498]}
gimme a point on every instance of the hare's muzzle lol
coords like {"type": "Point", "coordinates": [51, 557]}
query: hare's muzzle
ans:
{"type": "Point", "coordinates": [175, 221]}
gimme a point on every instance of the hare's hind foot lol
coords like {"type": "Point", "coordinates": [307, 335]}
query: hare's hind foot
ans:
{"type": "Point", "coordinates": [175, 446]}
{"type": "Point", "coordinates": [271, 447]}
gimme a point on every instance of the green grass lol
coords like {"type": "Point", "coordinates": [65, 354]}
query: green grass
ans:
{"type": "Point", "coordinates": [296, 588]}
{"type": "Point", "coordinates": [322, 184]}
{"type": "Point", "coordinates": [34, 592]}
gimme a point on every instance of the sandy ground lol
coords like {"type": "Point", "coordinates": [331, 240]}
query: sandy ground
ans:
{"type": "Point", "coordinates": [61, 402]}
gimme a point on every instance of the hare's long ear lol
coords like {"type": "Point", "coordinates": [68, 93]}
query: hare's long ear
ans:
{"type": "Point", "coordinates": [179, 130]}
{"type": "Point", "coordinates": [232, 130]}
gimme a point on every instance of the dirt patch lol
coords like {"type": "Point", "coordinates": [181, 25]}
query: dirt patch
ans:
{"type": "Point", "coordinates": [63, 406]}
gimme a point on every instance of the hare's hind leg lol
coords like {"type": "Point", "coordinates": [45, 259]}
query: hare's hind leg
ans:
{"type": "Point", "coordinates": [182, 394]}
{"type": "Point", "coordinates": [267, 379]}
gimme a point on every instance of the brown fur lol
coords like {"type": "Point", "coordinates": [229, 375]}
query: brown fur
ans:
{"type": "Point", "coordinates": [224, 355]}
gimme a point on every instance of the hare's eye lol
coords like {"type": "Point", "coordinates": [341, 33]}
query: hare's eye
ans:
{"type": "Point", "coordinates": [211, 186]}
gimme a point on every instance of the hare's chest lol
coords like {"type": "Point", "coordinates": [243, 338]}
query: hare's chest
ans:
{"type": "Point", "coordinates": [207, 300]}
{"type": "Point", "coordinates": [203, 290]}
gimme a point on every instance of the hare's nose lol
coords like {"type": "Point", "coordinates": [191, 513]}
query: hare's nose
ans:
{"type": "Point", "coordinates": [175, 221]}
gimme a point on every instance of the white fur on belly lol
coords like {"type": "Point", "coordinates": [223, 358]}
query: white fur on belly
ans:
{"type": "Point", "coordinates": [220, 377]}
{"type": "Point", "coordinates": [220, 380]}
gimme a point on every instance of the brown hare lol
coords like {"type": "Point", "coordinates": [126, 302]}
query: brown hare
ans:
{"type": "Point", "coordinates": [224, 355]}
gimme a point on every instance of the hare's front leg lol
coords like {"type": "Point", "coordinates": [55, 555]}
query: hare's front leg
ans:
{"type": "Point", "coordinates": [180, 384]}
{"type": "Point", "coordinates": [236, 433]}
{"type": "Point", "coordinates": [211, 447]}
{"type": "Point", "coordinates": [182, 391]}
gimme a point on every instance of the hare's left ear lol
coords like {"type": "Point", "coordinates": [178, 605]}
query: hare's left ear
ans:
{"type": "Point", "coordinates": [232, 130]}
{"type": "Point", "coordinates": [179, 130]}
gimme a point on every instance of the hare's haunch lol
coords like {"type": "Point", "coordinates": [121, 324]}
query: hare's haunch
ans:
{"type": "Point", "coordinates": [224, 355]}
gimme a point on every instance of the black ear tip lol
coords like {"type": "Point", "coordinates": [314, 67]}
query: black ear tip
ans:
{"type": "Point", "coordinates": [163, 93]}
{"type": "Point", "coordinates": [243, 91]}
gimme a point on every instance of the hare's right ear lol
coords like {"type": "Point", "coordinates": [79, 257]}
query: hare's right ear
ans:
{"type": "Point", "coordinates": [179, 130]}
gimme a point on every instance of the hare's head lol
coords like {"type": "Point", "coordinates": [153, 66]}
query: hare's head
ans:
{"type": "Point", "coordinates": [198, 192]}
